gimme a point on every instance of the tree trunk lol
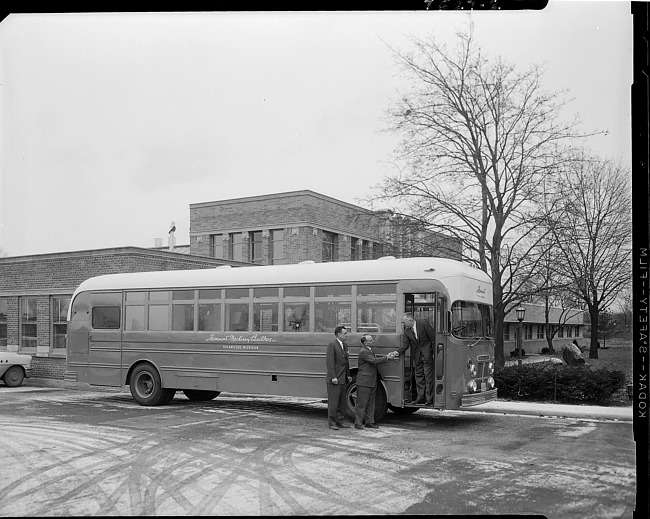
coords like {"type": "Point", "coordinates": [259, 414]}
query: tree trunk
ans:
{"type": "Point", "coordinates": [593, 348]}
{"type": "Point", "coordinates": [499, 315]}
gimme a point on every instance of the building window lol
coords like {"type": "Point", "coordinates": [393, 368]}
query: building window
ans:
{"type": "Point", "coordinates": [354, 249]}
{"type": "Point", "coordinates": [329, 246]}
{"type": "Point", "coordinates": [577, 332]}
{"type": "Point", "coordinates": [506, 332]}
{"type": "Point", "coordinates": [28, 319]}
{"type": "Point", "coordinates": [255, 247]}
{"type": "Point", "coordinates": [528, 328]}
{"type": "Point", "coordinates": [59, 321]}
{"type": "Point", "coordinates": [277, 246]}
{"type": "Point", "coordinates": [236, 250]}
{"type": "Point", "coordinates": [216, 246]}
{"type": "Point", "coordinates": [366, 250]}
{"type": "Point", "coordinates": [540, 331]}
{"type": "Point", "coordinates": [560, 332]}
{"type": "Point", "coordinates": [3, 322]}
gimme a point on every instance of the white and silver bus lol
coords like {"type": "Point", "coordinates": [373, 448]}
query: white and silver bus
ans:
{"type": "Point", "coordinates": [265, 330]}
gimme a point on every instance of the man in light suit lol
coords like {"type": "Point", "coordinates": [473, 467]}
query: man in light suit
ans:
{"type": "Point", "coordinates": [367, 382]}
{"type": "Point", "coordinates": [338, 378]}
{"type": "Point", "coordinates": [420, 336]}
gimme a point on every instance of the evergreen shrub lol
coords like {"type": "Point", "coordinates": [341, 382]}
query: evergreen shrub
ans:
{"type": "Point", "coordinates": [546, 382]}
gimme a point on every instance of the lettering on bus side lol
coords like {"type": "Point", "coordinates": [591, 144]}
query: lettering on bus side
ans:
{"type": "Point", "coordinates": [240, 338]}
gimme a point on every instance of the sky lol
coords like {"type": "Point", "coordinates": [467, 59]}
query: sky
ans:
{"type": "Point", "coordinates": [114, 123]}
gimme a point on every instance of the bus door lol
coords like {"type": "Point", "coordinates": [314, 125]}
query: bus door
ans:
{"type": "Point", "coordinates": [105, 339]}
{"type": "Point", "coordinates": [429, 306]}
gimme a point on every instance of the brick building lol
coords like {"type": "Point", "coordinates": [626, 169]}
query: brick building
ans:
{"type": "Point", "coordinates": [303, 225]}
{"type": "Point", "coordinates": [35, 292]}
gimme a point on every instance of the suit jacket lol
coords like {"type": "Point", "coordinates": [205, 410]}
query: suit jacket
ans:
{"type": "Point", "coordinates": [423, 344]}
{"type": "Point", "coordinates": [337, 361]}
{"type": "Point", "coordinates": [368, 362]}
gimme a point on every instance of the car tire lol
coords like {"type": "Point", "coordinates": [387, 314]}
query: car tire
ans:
{"type": "Point", "coordinates": [14, 376]}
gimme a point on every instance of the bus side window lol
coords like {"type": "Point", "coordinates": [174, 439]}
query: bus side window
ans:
{"type": "Point", "coordinates": [106, 317]}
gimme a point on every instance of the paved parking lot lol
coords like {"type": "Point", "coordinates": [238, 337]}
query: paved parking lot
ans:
{"type": "Point", "coordinates": [84, 452]}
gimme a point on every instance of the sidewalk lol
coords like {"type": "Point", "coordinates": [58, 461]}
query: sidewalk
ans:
{"type": "Point", "coordinates": [593, 412]}
{"type": "Point", "coordinates": [621, 414]}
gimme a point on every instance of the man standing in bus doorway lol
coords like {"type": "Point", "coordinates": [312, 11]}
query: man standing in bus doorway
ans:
{"type": "Point", "coordinates": [419, 335]}
{"type": "Point", "coordinates": [338, 377]}
{"type": "Point", "coordinates": [367, 382]}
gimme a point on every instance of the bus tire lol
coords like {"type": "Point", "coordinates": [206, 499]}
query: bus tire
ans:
{"type": "Point", "coordinates": [14, 376]}
{"type": "Point", "coordinates": [169, 397]}
{"type": "Point", "coordinates": [402, 410]}
{"type": "Point", "coordinates": [146, 387]}
{"type": "Point", "coordinates": [198, 395]}
{"type": "Point", "coordinates": [381, 401]}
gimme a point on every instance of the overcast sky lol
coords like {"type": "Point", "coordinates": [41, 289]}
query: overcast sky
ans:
{"type": "Point", "coordinates": [113, 124]}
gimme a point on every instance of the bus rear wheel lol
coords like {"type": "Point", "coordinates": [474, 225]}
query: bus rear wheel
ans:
{"type": "Point", "coordinates": [198, 395]}
{"type": "Point", "coordinates": [381, 401]}
{"type": "Point", "coordinates": [146, 387]}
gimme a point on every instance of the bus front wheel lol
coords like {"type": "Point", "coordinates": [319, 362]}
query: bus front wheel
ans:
{"type": "Point", "coordinates": [146, 387]}
{"type": "Point", "coordinates": [199, 395]}
{"type": "Point", "coordinates": [403, 410]}
{"type": "Point", "coordinates": [381, 401]}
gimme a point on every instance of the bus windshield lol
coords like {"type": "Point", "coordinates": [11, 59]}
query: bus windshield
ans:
{"type": "Point", "coordinates": [471, 320]}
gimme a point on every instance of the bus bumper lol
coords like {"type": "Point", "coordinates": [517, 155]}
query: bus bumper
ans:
{"type": "Point", "coordinates": [470, 399]}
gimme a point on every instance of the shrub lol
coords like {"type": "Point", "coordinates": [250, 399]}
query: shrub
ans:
{"type": "Point", "coordinates": [546, 382]}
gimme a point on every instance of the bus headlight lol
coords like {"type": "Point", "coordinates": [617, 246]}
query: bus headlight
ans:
{"type": "Point", "coordinates": [489, 383]}
{"type": "Point", "coordinates": [471, 386]}
{"type": "Point", "coordinates": [491, 368]}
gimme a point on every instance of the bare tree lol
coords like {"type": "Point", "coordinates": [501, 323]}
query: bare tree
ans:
{"type": "Point", "coordinates": [593, 232]}
{"type": "Point", "coordinates": [478, 138]}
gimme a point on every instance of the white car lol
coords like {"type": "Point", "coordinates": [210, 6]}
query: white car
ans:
{"type": "Point", "coordinates": [14, 367]}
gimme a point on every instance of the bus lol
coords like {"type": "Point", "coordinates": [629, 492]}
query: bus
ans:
{"type": "Point", "coordinates": [264, 330]}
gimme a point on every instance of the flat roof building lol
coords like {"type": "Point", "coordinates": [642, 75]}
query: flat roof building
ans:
{"type": "Point", "coordinates": [303, 225]}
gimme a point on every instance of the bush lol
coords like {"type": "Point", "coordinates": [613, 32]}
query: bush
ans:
{"type": "Point", "coordinates": [546, 382]}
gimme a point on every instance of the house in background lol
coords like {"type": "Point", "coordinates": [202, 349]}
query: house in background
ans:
{"type": "Point", "coordinates": [567, 325]}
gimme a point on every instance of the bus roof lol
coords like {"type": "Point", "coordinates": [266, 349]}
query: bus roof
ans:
{"type": "Point", "coordinates": [385, 269]}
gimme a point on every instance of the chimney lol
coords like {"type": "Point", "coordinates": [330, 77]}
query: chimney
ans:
{"type": "Point", "coordinates": [158, 243]}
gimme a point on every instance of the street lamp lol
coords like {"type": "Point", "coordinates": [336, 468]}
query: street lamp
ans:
{"type": "Point", "coordinates": [521, 312]}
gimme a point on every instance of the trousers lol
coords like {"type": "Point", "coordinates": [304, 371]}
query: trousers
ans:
{"type": "Point", "coordinates": [365, 406]}
{"type": "Point", "coordinates": [424, 378]}
{"type": "Point", "coordinates": [335, 403]}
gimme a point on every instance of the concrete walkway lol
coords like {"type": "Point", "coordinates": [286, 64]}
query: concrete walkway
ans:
{"type": "Point", "coordinates": [592, 412]}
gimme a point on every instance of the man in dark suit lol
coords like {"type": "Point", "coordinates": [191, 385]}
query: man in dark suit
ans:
{"type": "Point", "coordinates": [338, 377]}
{"type": "Point", "coordinates": [367, 382]}
{"type": "Point", "coordinates": [420, 336]}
